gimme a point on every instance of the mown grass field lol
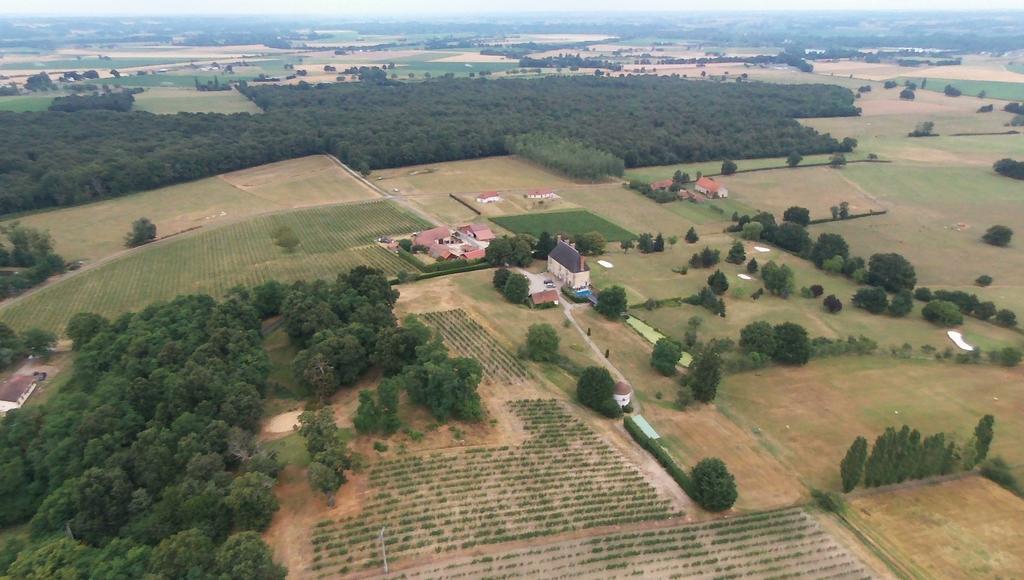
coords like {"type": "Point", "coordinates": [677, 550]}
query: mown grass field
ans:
{"type": "Point", "coordinates": [808, 416]}
{"type": "Point", "coordinates": [658, 172]}
{"type": "Point", "coordinates": [968, 528]}
{"type": "Point", "coordinates": [472, 176]}
{"type": "Point", "coordinates": [23, 103]}
{"type": "Point", "coordinates": [170, 101]}
{"type": "Point", "coordinates": [639, 214]}
{"type": "Point", "coordinates": [566, 222]}
{"type": "Point", "coordinates": [97, 230]}
{"type": "Point", "coordinates": [333, 239]}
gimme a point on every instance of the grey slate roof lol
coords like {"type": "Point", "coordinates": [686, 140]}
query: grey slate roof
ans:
{"type": "Point", "coordinates": [568, 257]}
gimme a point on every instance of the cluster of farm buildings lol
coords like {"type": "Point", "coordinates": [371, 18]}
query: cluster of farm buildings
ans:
{"type": "Point", "coordinates": [706, 187]}
{"type": "Point", "coordinates": [468, 242]}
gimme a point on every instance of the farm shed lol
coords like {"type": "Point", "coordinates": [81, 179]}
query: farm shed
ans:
{"type": "Point", "coordinates": [488, 197]}
{"type": "Point", "coordinates": [15, 391]}
{"type": "Point", "coordinates": [541, 194]}
{"type": "Point", "coordinates": [711, 188]}
{"type": "Point", "coordinates": [478, 232]}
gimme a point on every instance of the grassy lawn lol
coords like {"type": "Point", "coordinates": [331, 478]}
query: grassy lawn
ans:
{"type": "Point", "coordinates": [816, 188]}
{"type": "Point", "coordinates": [169, 101]}
{"type": "Point", "coordinates": [566, 222]}
{"type": "Point", "coordinates": [658, 172]}
{"type": "Point", "coordinates": [809, 416]}
{"type": "Point", "coordinates": [333, 239]}
{"type": "Point", "coordinates": [23, 103]}
{"type": "Point", "coordinates": [472, 176]}
{"type": "Point", "coordinates": [291, 449]}
{"type": "Point", "coordinates": [969, 528]}
{"type": "Point", "coordinates": [96, 230]}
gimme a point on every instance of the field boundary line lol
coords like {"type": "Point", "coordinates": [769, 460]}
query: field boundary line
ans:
{"type": "Point", "coordinates": [399, 199]}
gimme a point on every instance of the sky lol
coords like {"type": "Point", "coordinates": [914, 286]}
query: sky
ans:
{"type": "Point", "coordinates": [465, 7]}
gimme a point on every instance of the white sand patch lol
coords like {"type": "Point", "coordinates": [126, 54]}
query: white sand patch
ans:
{"type": "Point", "coordinates": [761, 249]}
{"type": "Point", "coordinates": [606, 264]}
{"type": "Point", "coordinates": [744, 276]}
{"type": "Point", "coordinates": [958, 339]}
{"type": "Point", "coordinates": [283, 423]}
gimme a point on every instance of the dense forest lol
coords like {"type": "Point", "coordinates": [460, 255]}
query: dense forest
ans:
{"type": "Point", "coordinates": [53, 159]}
{"type": "Point", "coordinates": [146, 461]}
{"type": "Point", "coordinates": [574, 159]}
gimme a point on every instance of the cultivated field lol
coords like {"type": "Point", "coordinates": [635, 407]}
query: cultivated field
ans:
{"type": "Point", "coordinates": [562, 478]}
{"type": "Point", "coordinates": [472, 176]}
{"type": "Point", "coordinates": [808, 416]}
{"type": "Point", "coordinates": [466, 337]}
{"type": "Point", "coordinates": [774, 544]}
{"type": "Point", "coordinates": [967, 528]}
{"type": "Point", "coordinates": [169, 101]}
{"type": "Point", "coordinates": [97, 230]}
{"type": "Point", "coordinates": [566, 222]}
{"type": "Point", "coordinates": [333, 239]}
{"type": "Point", "coordinates": [639, 214]}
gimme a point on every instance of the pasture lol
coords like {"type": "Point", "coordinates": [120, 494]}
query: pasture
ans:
{"type": "Point", "coordinates": [25, 103]}
{"type": "Point", "coordinates": [785, 543]}
{"type": "Point", "coordinates": [659, 172]}
{"type": "Point", "coordinates": [967, 528]}
{"type": "Point", "coordinates": [169, 101]}
{"type": "Point", "coordinates": [471, 176]}
{"type": "Point", "coordinates": [562, 478]}
{"type": "Point", "coordinates": [97, 230]}
{"type": "Point", "coordinates": [333, 239]}
{"type": "Point", "coordinates": [1008, 91]}
{"type": "Point", "coordinates": [808, 416]}
{"type": "Point", "coordinates": [639, 214]}
{"type": "Point", "coordinates": [569, 222]}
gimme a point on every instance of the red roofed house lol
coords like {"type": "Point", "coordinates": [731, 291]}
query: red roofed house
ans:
{"type": "Point", "coordinates": [711, 188]}
{"type": "Point", "coordinates": [474, 254]}
{"type": "Point", "coordinates": [15, 391]}
{"type": "Point", "coordinates": [663, 184]}
{"type": "Point", "coordinates": [544, 297]}
{"type": "Point", "coordinates": [478, 232]}
{"type": "Point", "coordinates": [441, 252]}
{"type": "Point", "coordinates": [488, 197]}
{"type": "Point", "coordinates": [432, 236]}
{"type": "Point", "coordinates": [541, 194]}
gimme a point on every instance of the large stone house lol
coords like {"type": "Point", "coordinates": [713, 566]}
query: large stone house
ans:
{"type": "Point", "coordinates": [566, 264]}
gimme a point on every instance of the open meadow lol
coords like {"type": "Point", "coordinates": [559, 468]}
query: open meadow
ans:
{"type": "Point", "coordinates": [332, 239]}
{"type": "Point", "coordinates": [966, 528]}
{"type": "Point", "coordinates": [808, 416]}
{"type": "Point", "coordinates": [184, 100]}
{"type": "Point", "coordinates": [97, 230]}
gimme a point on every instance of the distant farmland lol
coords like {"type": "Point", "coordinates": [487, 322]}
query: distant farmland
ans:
{"type": "Point", "coordinates": [333, 239]}
{"type": "Point", "coordinates": [563, 222]}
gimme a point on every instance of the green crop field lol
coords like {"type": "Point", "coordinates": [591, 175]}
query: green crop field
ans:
{"type": "Point", "coordinates": [563, 222]}
{"type": "Point", "coordinates": [333, 239]}
{"type": "Point", "coordinates": [993, 89]}
{"type": "Point", "coordinates": [167, 101]}
{"type": "Point", "coordinates": [20, 104]}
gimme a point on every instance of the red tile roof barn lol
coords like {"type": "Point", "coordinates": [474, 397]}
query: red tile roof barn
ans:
{"type": "Point", "coordinates": [488, 195]}
{"type": "Point", "coordinates": [544, 297]}
{"type": "Point", "coordinates": [478, 231]}
{"type": "Point", "coordinates": [474, 254]}
{"type": "Point", "coordinates": [663, 184]}
{"type": "Point", "coordinates": [431, 236]}
{"type": "Point", "coordinates": [708, 184]}
{"type": "Point", "coordinates": [15, 387]}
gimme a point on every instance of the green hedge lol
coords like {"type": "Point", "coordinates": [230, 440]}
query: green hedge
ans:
{"type": "Point", "coordinates": [661, 454]}
{"type": "Point", "coordinates": [852, 216]}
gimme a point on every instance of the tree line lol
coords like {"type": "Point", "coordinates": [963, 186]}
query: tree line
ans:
{"type": "Point", "coordinates": [51, 158]}
{"type": "Point", "coordinates": [572, 158]}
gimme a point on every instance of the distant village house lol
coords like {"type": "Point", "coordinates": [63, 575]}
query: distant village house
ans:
{"type": "Point", "coordinates": [488, 197]}
{"type": "Point", "coordinates": [541, 194]}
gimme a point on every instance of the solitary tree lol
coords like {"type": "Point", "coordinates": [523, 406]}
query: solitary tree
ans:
{"type": "Point", "coordinates": [832, 304]}
{"type": "Point", "coordinates": [718, 283]}
{"type": "Point", "coordinates": [794, 159]}
{"type": "Point", "coordinates": [325, 480]}
{"type": "Point", "coordinates": [729, 167]}
{"type": "Point", "coordinates": [542, 343]}
{"type": "Point", "coordinates": [752, 266]}
{"type": "Point", "coordinates": [797, 215]}
{"type": "Point", "coordinates": [983, 434]}
{"type": "Point", "coordinates": [691, 236]}
{"type": "Point", "coordinates": [612, 302]}
{"type": "Point", "coordinates": [705, 375]}
{"type": "Point", "coordinates": [626, 245]}
{"type": "Point", "coordinates": [998, 236]}
{"type": "Point", "coordinates": [737, 255]}
{"type": "Point", "coordinates": [666, 355]}
{"type": "Point", "coordinates": [714, 488]}
{"type": "Point", "coordinates": [852, 466]}
{"type": "Point", "coordinates": [143, 231]}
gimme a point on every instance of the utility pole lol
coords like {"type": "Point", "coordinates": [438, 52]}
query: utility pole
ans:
{"type": "Point", "coordinates": [383, 551]}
